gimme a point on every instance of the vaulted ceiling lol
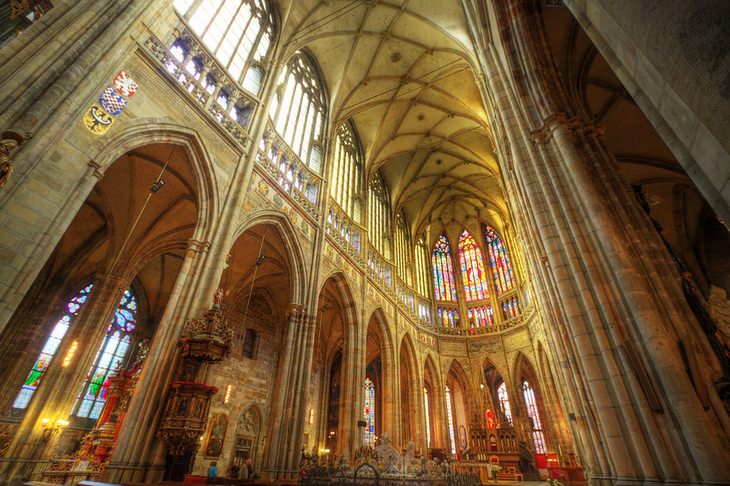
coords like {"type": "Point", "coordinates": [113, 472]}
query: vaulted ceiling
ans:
{"type": "Point", "coordinates": [403, 71]}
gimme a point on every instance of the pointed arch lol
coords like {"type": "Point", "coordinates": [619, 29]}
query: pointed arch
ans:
{"type": "Point", "coordinates": [499, 261]}
{"type": "Point", "coordinates": [457, 393]}
{"type": "Point", "coordinates": [291, 240]}
{"type": "Point", "coordinates": [379, 363]}
{"type": "Point", "coordinates": [151, 131]}
{"type": "Point", "coordinates": [531, 401]}
{"type": "Point", "coordinates": [410, 398]}
{"type": "Point", "coordinates": [433, 412]}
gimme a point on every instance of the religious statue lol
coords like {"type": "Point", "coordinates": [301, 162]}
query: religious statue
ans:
{"type": "Point", "coordinates": [218, 299]}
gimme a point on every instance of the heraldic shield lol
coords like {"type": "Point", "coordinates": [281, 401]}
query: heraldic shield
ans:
{"type": "Point", "coordinates": [96, 120]}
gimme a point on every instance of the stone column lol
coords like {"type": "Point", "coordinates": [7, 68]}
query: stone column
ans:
{"type": "Point", "coordinates": [617, 303]}
{"type": "Point", "coordinates": [139, 455]}
{"type": "Point", "coordinates": [289, 397]}
{"type": "Point", "coordinates": [672, 58]}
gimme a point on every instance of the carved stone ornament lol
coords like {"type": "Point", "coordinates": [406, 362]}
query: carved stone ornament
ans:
{"type": "Point", "coordinates": [9, 141]}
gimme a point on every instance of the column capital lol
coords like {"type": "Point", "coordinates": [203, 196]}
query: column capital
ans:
{"type": "Point", "coordinates": [197, 246]}
{"type": "Point", "coordinates": [296, 310]}
{"type": "Point", "coordinates": [558, 120]}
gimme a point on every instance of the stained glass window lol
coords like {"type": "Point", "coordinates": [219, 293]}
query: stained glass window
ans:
{"type": "Point", "coordinates": [481, 316]}
{"type": "Point", "coordinates": [504, 402]}
{"type": "Point", "coordinates": [504, 278]}
{"type": "Point", "coordinates": [369, 413]}
{"type": "Point", "coordinates": [448, 317]}
{"type": "Point", "coordinates": [472, 268]}
{"type": "Point", "coordinates": [299, 109]}
{"type": "Point", "coordinates": [33, 381]}
{"type": "Point", "coordinates": [428, 417]}
{"type": "Point", "coordinates": [109, 357]}
{"type": "Point", "coordinates": [510, 307]}
{"type": "Point", "coordinates": [450, 418]}
{"type": "Point", "coordinates": [443, 271]}
{"type": "Point", "coordinates": [538, 437]}
{"type": "Point", "coordinates": [237, 32]}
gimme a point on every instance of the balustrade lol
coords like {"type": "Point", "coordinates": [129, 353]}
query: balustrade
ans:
{"type": "Point", "coordinates": [380, 270]}
{"type": "Point", "coordinates": [205, 82]}
{"type": "Point", "coordinates": [345, 232]}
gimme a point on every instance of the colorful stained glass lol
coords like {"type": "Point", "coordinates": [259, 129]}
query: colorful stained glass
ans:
{"type": "Point", "coordinates": [538, 437]}
{"type": "Point", "coordinates": [109, 357]}
{"type": "Point", "coordinates": [472, 268]}
{"type": "Point", "coordinates": [448, 317]}
{"type": "Point", "coordinates": [443, 271]}
{"type": "Point", "coordinates": [504, 278]}
{"type": "Point", "coordinates": [511, 307]}
{"type": "Point", "coordinates": [369, 413]}
{"type": "Point", "coordinates": [33, 381]}
{"type": "Point", "coordinates": [481, 316]}
{"type": "Point", "coordinates": [504, 403]}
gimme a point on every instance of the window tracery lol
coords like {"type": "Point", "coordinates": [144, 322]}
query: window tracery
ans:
{"type": "Point", "coordinates": [504, 279]}
{"type": "Point", "coordinates": [422, 274]}
{"type": "Point", "coordinates": [448, 317]}
{"type": "Point", "coordinates": [38, 372]}
{"type": "Point", "coordinates": [403, 249]}
{"type": "Point", "coordinates": [298, 110]}
{"type": "Point", "coordinates": [504, 406]}
{"type": "Point", "coordinates": [481, 316]}
{"type": "Point", "coordinates": [472, 268]}
{"type": "Point", "coordinates": [443, 271]}
{"type": "Point", "coordinates": [538, 437]}
{"type": "Point", "coordinates": [110, 357]}
{"type": "Point", "coordinates": [237, 32]}
{"type": "Point", "coordinates": [346, 183]}
{"type": "Point", "coordinates": [379, 224]}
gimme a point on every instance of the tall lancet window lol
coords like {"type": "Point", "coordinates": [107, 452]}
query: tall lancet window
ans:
{"type": "Point", "coordinates": [237, 32]}
{"type": "Point", "coordinates": [346, 178]}
{"type": "Point", "coordinates": [450, 419]}
{"type": "Point", "coordinates": [369, 413]}
{"type": "Point", "coordinates": [299, 108]}
{"type": "Point", "coordinates": [38, 372]}
{"type": "Point", "coordinates": [379, 222]}
{"type": "Point", "coordinates": [428, 417]}
{"type": "Point", "coordinates": [110, 357]}
{"type": "Point", "coordinates": [422, 273]}
{"type": "Point", "coordinates": [504, 403]}
{"type": "Point", "coordinates": [504, 279]}
{"type": "Point", "coordinates": [443, 271]}
{"type": "Point", "coordinates": [472, 268]}
{"type": "Point", "coordinates": [538, 437]}
{"type": "Point", "coordinates": [403, 249]}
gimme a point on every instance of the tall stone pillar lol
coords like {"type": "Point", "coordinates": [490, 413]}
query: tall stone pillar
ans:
{"type": "Point", "coordinates": [288, 409]}
{"type": "Point", "coordinates": [139, 454]}
{"type": "Point", "coordinates": [602, 269]}
{"type": "Point", "coordinates": [671, 55]}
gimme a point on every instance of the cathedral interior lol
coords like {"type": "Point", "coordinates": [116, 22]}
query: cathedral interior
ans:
{"type": "Point", "coordinates": [451, 242]}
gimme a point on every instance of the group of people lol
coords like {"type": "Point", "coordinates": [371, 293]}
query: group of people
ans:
{"type": "Point", "coordinates": [236, 471]}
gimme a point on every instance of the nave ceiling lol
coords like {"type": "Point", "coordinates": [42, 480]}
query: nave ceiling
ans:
{"type": "Point", "coordinates": [403, 71]}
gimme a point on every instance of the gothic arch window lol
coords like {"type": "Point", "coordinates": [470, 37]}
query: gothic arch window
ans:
{"type": "Point", "coordinates": [450, 418]}
{"type": "Point", "coordinates": [443, 271]}
{"type": "Point", "coordinates": [110, 357]}
{"type": "Point", "coordinates": [369, 413]}
{"type": "Point", "coordinates": [422, 273]}
{"type": "Point", "coordinates": [379, 227]}
{"type": "Point", "coordinates": [472, 268]}
{"type": "Point", "coordinates": [38, 372]}
{"type": "Point", "coordinates": [249, 344]}
{"type": "Point", "coordinates": [299, 108]}
{"type": "Point", "coordinates": [504, 406]}
{"type": "Point", "coordinates": [403, 249]}
{"type": "Point", "coordinates": [538, 437]}
{"type": "Point", "coordinates": [504, 279]}
{"type": "Point", "coordinates": [237, 32]}
{"type": "Point", "coordinates": [347, 173]}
